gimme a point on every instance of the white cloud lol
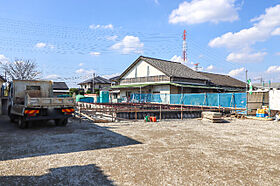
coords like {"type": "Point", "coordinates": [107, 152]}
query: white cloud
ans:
{"type": "Point", "coordinates": [51, 46]}
{"type": "Point", "coordinates": [112, 38]}
{"type": "Point", "coordinates": [81, 64]}
{"type": "Point", "coordinates": [177, 59]}
{"type": "Point", "coordinates": [236, 72]}
{"type": "Point", "coordinates": [263, 27]}
{"type": "Point", "coordinates": [52, 76]}
{"type": "Point", "coordinates": [157, 2]}
{"type": "Point", "coordinates": [43, 45]}
{"type": "Point", "coordinates": [277, 53]}
{"type": "Point", "coordinates": [129, 44]}
{"type": "Point", "coordinates": [243, 40]}
{"type": "Point", "coordinates": [276, 32]}
{"type": "Point", "coordinates": [273, 69]}
{"type": "Point", "coordinates": [83, 71]}
{"type": "Point", "coordinates": [109, 26]}
{"type": "Point", "coordinates": [246, 57]}
{"type": "Point", "coordinates": [94, 53]}
{"type": "Point", "coordinates": [210, 68]}
{"type": "Point", "coordinates": [3, 59]}
{"type": "Point", "coordinates": [111, 75]}
{"type": "Point", "coordinates": [201, 11]}
{"type": "Point", "coordinates": [40, 45]}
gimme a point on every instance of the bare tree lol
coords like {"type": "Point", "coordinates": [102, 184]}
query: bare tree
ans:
{"type": "Point", "coordinates": [21, 69]}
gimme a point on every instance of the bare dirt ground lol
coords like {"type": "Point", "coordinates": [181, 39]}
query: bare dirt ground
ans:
{"type": "Point", "coordinates": [188, 152]}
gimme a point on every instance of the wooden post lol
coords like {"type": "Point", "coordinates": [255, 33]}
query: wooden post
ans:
{"type": "Point", "coordinates": [219, 102]}
{"type": "Point", "coordinates": [181, 112]}
{"type": "Point", "coordinates": [135, 115]}
{"type": "Point", "coordinates": [160, 112]}
{"type": "Point", "coordinates": [112, 113]}
{"type": "Point", "coordinates": [80, 113]}
{"type": "Point", "coordinates": [234, 103]}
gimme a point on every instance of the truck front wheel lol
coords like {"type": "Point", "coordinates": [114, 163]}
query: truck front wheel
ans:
{"type": "Point", "coordinates": [61, 122]}
{"type": "Point", "coordinates": [22, 124]}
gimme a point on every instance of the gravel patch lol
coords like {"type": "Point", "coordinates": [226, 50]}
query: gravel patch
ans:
{"type": "Point", "coordinates": [175, 152]}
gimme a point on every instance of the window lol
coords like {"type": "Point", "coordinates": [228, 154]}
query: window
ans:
{"type": "Point", "coordinates": [135, 72]}
{"type": "Point", "coordinates": [148, 70]}
{"type": "Point", "coordinates": [33, 88]}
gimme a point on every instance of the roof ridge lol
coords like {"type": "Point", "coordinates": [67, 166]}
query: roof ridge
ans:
{"type": "Point", "coordinates": [213, 73]}
{"type": "Point", "coordinates": [161, 60]}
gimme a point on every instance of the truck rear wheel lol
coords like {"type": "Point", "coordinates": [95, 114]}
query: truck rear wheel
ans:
{"type": "Point", "coordinates": [61, 122]}
{"type": "Point", "coordinates": [22, 124]}
{"type": "Point", "coordinates": [11, 116]}
{"type": "Point", "coordinates": [12, 119]}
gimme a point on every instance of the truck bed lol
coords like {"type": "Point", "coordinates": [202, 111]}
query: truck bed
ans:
{"type": "Point", "coordinates": [48, 102]}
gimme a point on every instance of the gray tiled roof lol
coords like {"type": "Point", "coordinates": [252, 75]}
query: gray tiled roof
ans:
{"type": "Point", "coordinates": [176, 69]}
{"type": "Point", "coordinates": [60, 86]}
{"type": "Point", "coordinates": [173, 69]}
{"type": "Point", "coordinates": [97, 79]}
{"type": "Point", "coordinates": [223, 80]}
{"type": "Point", "coordinates": [114, 78]}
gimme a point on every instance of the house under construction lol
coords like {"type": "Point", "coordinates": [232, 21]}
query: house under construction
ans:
{"type": "Point", "coordinates": [148, 75]}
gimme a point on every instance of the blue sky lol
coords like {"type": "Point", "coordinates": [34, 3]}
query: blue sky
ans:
{"type": "Point", "coordinates": [71, 39]}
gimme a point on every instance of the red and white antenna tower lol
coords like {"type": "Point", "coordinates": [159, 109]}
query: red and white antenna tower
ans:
{"type": "Point", "coordinates": [184, 47]}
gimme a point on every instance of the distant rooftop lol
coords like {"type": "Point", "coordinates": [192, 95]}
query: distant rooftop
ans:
{"type": "Point", "coordinates": [97, 80]}
{"type": "Point", "coordinates": [266, 85]}
{"type": "Point", "coordinates": [60, 86]}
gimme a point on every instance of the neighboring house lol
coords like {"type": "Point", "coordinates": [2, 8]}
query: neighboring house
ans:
{"type": "Point", "coordinates": [3, 100]}
{"type": "Point", "coordinates": [2, 81]}
{"type": "Point", "coordinates": [60, 88]}
{"type": "Point", "coordinates": [267, 86]}
{"type": "Point", "coordinates": [99, 83]}
{"type": "Point", "coordinates": [156, 76]}
{"type": "Point", "coordinates": [114, 80]}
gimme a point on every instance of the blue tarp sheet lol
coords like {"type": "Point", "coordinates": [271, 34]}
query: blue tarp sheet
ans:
{"type": "Point", "coordinates": [237, 100]}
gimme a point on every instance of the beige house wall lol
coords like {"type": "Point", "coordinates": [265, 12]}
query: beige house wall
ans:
{"type": "Point", "coordinates": [143, 69]}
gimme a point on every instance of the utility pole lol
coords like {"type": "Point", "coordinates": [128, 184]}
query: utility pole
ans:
{"type": "Point", "coordinates": [261, 81]}
{"type": "Point", "coordinates": [246, 74]}
{"type": "Point", "coordinates": [93, 82]}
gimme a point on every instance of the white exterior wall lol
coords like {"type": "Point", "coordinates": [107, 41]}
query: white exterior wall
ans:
{"type": "Point", "coordinates": [142, 70]}
{"type": "Point", "coordinates": [122, 93]}
{"type": "Point", "coordinates": [164, 91]}
{"type": "Point", "coordinates": [274, 99]}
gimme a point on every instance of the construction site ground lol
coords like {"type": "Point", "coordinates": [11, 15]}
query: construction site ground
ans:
{"type": "Point", "coordinates": [174, 152]}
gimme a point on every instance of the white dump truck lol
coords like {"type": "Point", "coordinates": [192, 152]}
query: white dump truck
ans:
{"type": "Point", "coordinates": [31, 100]}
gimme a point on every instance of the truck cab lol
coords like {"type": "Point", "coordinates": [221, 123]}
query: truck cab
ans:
{"type": "Point", "coordinates": [33, 100]}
